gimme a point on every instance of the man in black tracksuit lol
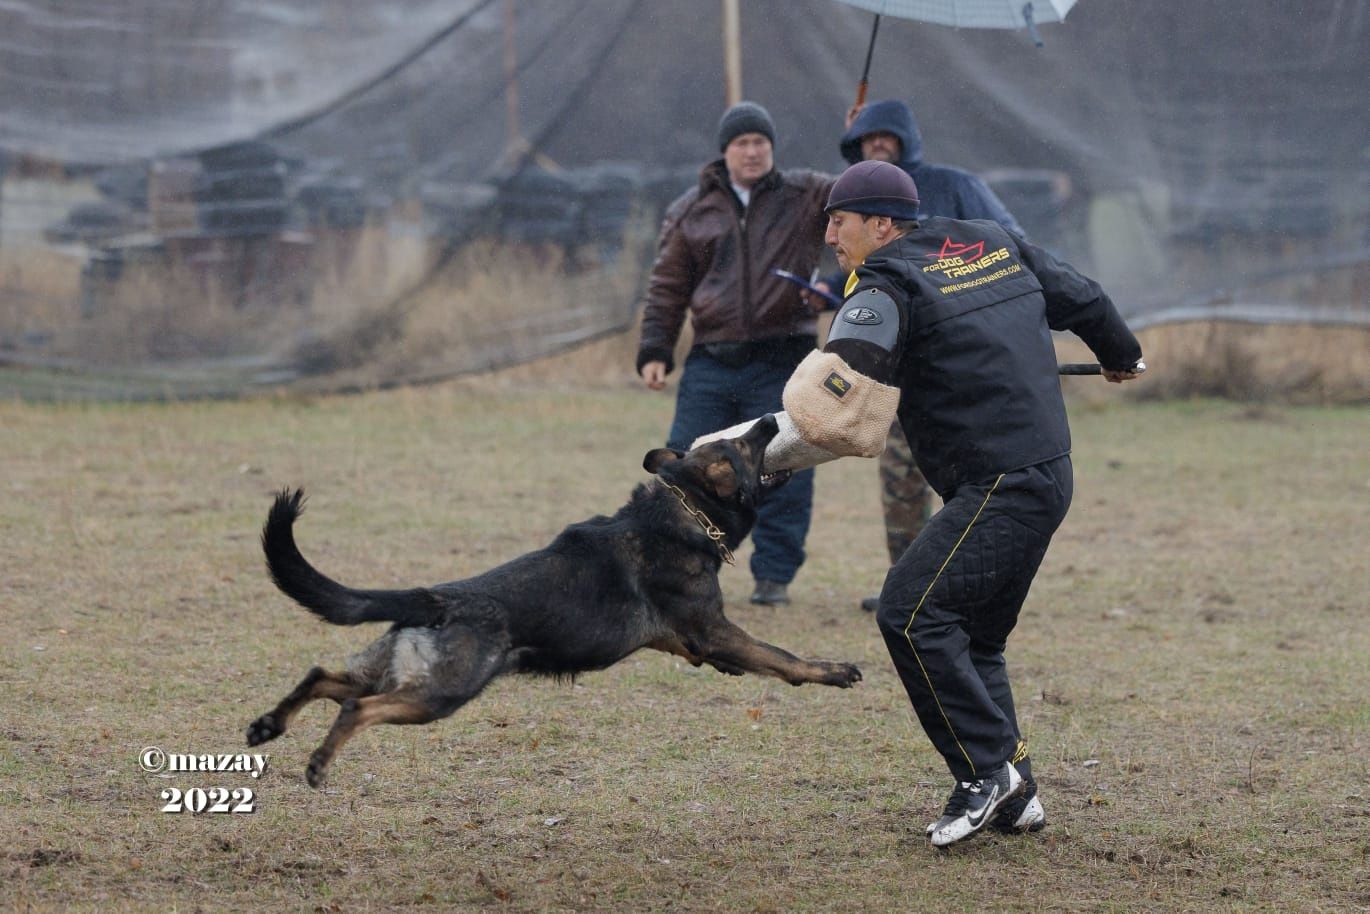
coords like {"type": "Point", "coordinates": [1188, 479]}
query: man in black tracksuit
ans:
{"type": "Point", "coordinates": [887, 130]}
{"type": "Point", "coordinates": [957, 317]}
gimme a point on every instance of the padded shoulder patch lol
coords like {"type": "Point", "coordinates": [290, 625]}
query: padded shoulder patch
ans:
{"type": "Point", "coordinates": [871, 316]}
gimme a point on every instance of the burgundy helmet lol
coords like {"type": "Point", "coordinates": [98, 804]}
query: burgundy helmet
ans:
{"type": "Point", "coordinates": [875, 188]}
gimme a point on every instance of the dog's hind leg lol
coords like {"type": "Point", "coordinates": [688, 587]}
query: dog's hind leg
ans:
{"type": "Point", "coordinates": [406, 707]}
{"type": "Point", "coordinates": [317, 683]}
{"type": "Point", "coordinates": [472, 662]}
{"type": "Point", "coordinates": [730, 649]}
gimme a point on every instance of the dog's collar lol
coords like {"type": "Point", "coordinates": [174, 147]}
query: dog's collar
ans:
{"type": "Point", "coordinates": [711, 529]}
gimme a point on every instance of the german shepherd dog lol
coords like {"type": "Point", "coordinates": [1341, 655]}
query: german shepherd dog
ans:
{"type": "Point", "coordinates": [646, 577]}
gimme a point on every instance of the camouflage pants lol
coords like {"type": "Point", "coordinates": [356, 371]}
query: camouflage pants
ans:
{"type": "Point", "coordinates": [904, 494]}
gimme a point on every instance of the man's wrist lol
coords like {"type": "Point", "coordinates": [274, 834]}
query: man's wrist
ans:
{"type": "Point", "coordinates": [654, 354]}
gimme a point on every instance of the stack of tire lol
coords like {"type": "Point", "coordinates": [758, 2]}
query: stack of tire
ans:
{"type": "Point", "coordinates": [538, 207]}
{"type": "Point", "coordinates": [241, 191]}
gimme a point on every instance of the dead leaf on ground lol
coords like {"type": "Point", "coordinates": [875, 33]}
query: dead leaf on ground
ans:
{"type": "Point", "coordinates": [499, 892]}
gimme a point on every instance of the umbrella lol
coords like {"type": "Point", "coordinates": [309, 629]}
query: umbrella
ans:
{"type": "Point", "coordinates": [966, 14]}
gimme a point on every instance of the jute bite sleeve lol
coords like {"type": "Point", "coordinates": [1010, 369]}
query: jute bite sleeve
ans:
{"type": "Point", "coordinates": [839, 409]}
{"type": "Point", "coordinates": [787, 451]}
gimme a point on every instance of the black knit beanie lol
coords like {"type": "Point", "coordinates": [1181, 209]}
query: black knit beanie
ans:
{"type": "Point", "coordinates": [744, 117]}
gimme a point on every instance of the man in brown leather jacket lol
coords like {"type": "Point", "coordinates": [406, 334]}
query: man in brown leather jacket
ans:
{"type": "Point", "coordinates": [719, 243]}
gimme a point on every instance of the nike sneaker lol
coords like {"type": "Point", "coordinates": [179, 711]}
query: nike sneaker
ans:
{"type": "Point", "coordinates": [1024, 813]}
{"type": "Point", "coordinates": [972, 805]}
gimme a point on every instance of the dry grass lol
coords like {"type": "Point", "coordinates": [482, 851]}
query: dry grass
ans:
{"type": "Point", "coordinates": [1198, 631]}
{"type": "Point", "coordinates": [1289, 364]}
{"type": "Point", "coordinates": [381, 305]}
{"type": "Point", "coordinates": [489, 306]}
{"type": "Point", "coordinates": [183, 300]}
{"type": "Point", "coordinates": [1275, 364]}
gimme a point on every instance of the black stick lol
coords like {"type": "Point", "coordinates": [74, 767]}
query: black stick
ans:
{"type": "Point", "coordinates": [1079, 368]}
{"type": "Point", "coordinates": [866, 71]}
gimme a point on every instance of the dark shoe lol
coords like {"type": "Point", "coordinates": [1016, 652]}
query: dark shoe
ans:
{"type": "Point", "coordinates": [972, 805]}
{"type": "Point", "coordinates": [1023, 813]}
{"type": "Point", "coordinates": [770, 593]}
{"type": "Point", "coordinates": [871, 604]}
{"type": "Point", "coordinates": [1019, 815]}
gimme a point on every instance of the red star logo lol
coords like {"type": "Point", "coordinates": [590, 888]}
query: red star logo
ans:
{"type": "Point", "coordinates": [969, 253]}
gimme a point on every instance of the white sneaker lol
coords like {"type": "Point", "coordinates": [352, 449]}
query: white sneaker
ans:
{"type": "Point", "coordinates": [973, 804]}
{"type": "Point", "coordinates": [1014, 817]}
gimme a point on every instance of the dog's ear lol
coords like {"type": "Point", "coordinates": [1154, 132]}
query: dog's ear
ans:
{"type": "Point", "coordinates": [657, 458]}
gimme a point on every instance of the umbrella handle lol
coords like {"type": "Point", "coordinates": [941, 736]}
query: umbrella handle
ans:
{"type": "Point", "coordinates": [866, 70]}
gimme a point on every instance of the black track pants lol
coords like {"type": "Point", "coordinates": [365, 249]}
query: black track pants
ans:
{"type": "Point", "coordinates": [951, 600]}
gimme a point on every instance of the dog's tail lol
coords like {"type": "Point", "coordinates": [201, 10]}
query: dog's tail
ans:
{"type": "Point", "coordinates": [325, 597]}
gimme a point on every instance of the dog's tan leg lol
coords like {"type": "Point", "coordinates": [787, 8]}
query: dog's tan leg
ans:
{"type": "Point", "coordinates": [726, 645]}
{"type": "Point", "coordinates": [317, 683]}
{"type": "Point", "coordinates": [673, 645]}
{"type": "Point", "coordinates": [358, 714]}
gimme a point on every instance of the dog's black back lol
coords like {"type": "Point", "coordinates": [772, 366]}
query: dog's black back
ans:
{"type": "Point", "coordinates": [601, 590]}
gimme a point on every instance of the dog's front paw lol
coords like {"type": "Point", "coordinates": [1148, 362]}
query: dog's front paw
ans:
{"type": "Point", "coordinates": [316, 772]}
{"type": "Point", "coordinates": [263, 729]}
{"type": "Point", "coordinates": [842, 675]}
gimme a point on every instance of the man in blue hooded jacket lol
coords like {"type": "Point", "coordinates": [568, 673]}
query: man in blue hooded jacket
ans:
{"type": "Point", "coordinates": [886, 131]}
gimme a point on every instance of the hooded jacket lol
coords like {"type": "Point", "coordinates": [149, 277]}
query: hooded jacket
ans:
{"type": "Point", "coordinates": [715, 257]}
{"type": "Point", "coordinates": [942, 189]}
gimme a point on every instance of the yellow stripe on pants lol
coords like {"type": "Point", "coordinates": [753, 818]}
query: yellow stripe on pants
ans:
{"type": "Point", "coordinates": [923, 599]}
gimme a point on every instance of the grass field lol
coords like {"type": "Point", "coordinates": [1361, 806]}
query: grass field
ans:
{"type": "Point", "coordinates": [1191, 671]}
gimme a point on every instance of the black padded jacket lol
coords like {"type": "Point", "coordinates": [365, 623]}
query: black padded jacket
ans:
{"type": "Point", "coordinates": [974, 360]}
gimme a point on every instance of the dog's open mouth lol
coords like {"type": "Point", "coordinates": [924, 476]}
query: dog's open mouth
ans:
{"type": "Point", "coordinates": [774, 480]}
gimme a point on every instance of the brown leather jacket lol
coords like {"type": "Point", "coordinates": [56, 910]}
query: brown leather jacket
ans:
{"type": "Point", "coordinates": [715, 258]}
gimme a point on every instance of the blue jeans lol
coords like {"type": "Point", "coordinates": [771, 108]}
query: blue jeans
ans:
{"type": "Point", "coordinates": [713, 396]}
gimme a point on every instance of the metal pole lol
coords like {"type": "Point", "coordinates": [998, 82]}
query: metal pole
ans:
{"type": "Point", "coordinates": [511, 88]}
{"type": "Point", "coordinates": [732, 52]}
